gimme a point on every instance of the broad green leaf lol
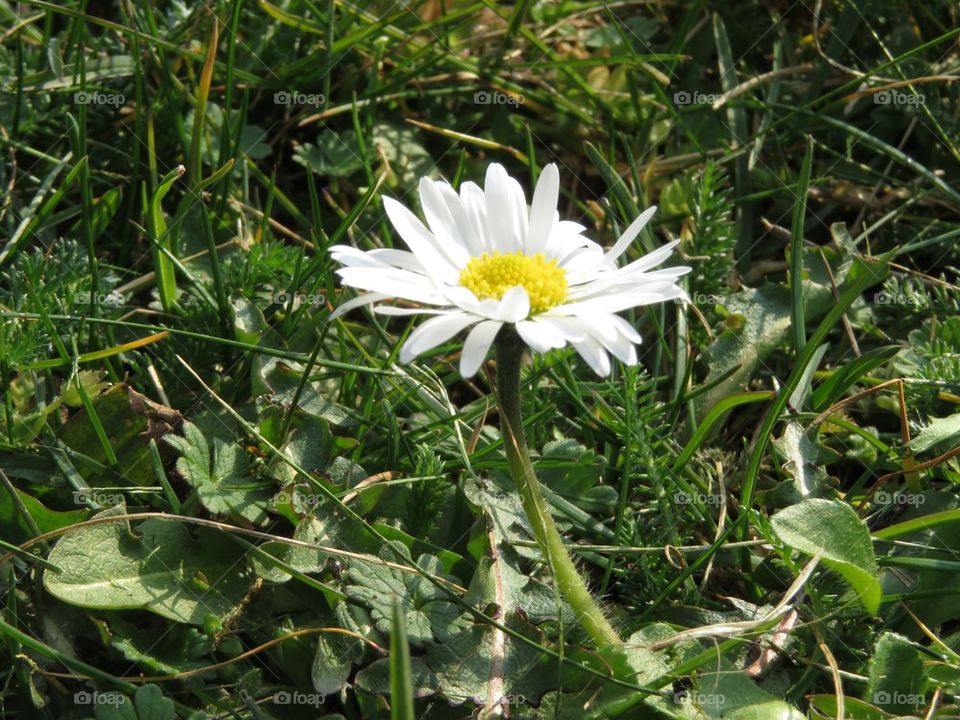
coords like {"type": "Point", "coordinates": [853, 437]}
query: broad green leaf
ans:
{"type": "Point", "coordinates": [14, 527]}
{"type": "Point", "coordinates": [221, 475]}
{"type": "Point", "coordinates": [336, 654]}
{"type": "Point", "coordinates": [151, 704]}
{"type": "Point", "coordinates": [570, 469]}
{"type": "Point", "coordinates": [281, 380]}
{"type": "Point", "coordinates": [329, 670]}
{"type": "Point", "coordinates": [855, 709]}
{"type": "Point", "coordinates": [248, 321]}
{"type": "Point", "coordinates": [161, 649]}
{"type": "Point", "coordinates": [429, 612]}
{"type": "Point", "coordinates": [898, 680]}
{"type": "Point", "coordinates": [334, 155]}
{"type": "Point", "coordinates": [470, 666]}
{"type": "Point", "coordinates": [129, 419]}
{"type": "Point", "coordinates": [506, 513]}
{"type": "Point", "coordinates": [832, 530]}
{"type": "Point", "coordinates": [179, 573]}
{"type": "Point", "coordinates": [803, 460]}
{"type": "Point", "coordinates": [483, 664]}
{"type": "Point", "coordinates": [938, 433]}
{"type": "Point", "coordinates": [403, 147]}
{"type": "Point", "coordinates": [758, 322]}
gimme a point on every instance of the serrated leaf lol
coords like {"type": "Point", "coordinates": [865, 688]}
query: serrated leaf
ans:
{"type": "Point", "coordinates": [898, 680]}
{"type": "Point", "coordinates": [306, 560]}
{"type": "Point", "coordinates": [329, 670]}
{"type": "Point", "coordinates": [152, 705]}
{"type": "Point", "coordinates": [460, 669]}
{"type": "Point", "coordinates": [832, 530]}
{"type": "Point", "coordinates": [334, 154]}
{"type": "Point", "coordinates": [221, 475]}
{"type": "Point", "coordinates": [402, 146]}
{"type": "Point", "coordinates": [572, 470]}
{"type": "Point", "coordinates": [506, 513]}
{"type": "Point", "coordinates": [281, 381]}
{"type": "Point", "coordinates": [428, 611]}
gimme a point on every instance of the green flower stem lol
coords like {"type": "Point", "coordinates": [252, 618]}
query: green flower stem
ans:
{"type": "Point", "coordinates": [509, 355]}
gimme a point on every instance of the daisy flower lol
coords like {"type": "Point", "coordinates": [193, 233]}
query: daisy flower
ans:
{"type": "Point", "coordinates": [484, 259]}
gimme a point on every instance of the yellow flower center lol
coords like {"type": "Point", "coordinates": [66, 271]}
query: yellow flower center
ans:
{"type": "Point", "coordinates": [490, 276]}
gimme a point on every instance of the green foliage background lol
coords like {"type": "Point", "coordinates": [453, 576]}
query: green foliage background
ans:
{"type": "Point", "coordinates": [214, 502]}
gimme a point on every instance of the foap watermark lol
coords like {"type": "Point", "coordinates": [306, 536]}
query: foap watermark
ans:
{"type": "Point", "coordinates": [297, 298]}
{"type": "Point", "coordinates": [885, 298]}
{"type": "Point", "coordinates": [682, 97]}
{"type": "Point", "coordinates": [682, 497]}
{"type": "Point", "coordinates": [92, 697]}
{"type": "Point", "coordinates": [892, 97]}
{"type": "Point", "coordinates": [694, 697]}
{"type": "Point", "coordinates": [86, 97]}
{"type": "Point", "coordinates": [699, 298]}
{"type": "Point", "coordinates": [914, 700]}
{"type": "Point", "coordinates": [483, 97]}
{"type": "Point", "coordinates": [97, 497]}
{"type": "Point", "coordinates": [296, 499]}
{"type": "Point", "coordinates": [285, 697]}
{"type": "Point", "coordinates": [295, 97]}
{"type": "Point", "coordinates": [85, 297]}
{"type": "Point", "coordinates": [886, 498]}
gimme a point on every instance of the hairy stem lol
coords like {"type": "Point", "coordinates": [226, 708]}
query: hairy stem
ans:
{"type": "Point", "coordinates": [568, 579]}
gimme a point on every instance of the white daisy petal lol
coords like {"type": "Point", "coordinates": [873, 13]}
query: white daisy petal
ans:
{"type": "Point", "coordinates": [433, 332]}
{"type": "Point", "coordinates": [543, 209]}
{"type": "Point", "coordinates": [475, 206]}
{"type": "Point", "coordinates": [596, 357]}
{"type": "Point", "coordinates": [441, 222]}
{"type": "Point", "coordinates": [626, 329]}
{"type": "Point", "coordinates": [629, 235]}
{"type": "Point", "coordinates": [514, 305]}
{"type": "Point", "coordinates": [568, 327]}
{"type": "Point", "coordinates": [394, 283]}
{"type": "Point", "coordinates": [599, 326]}
{"type": "Point", "coordinates": [398, 259]}
{"type": "Point", "coordinates": [352, 257]}
{"type": "Point", "coordinates": [420, 240]}
{"type": "Point", "coordinates": [611, 339]}
{"type": "Point", "coordinates": [618, 301]}
{"type": "Point", "coordinates": [539, 335]}
{"type": "Point", "coordinates": [477, 345]}
{"type": "Point", "coordinates": [468, 230]}
{"type": "Point", "coordinates": [462, 297]}
{"type": "Point", "coordinates": [356, 302]}
{"type": "Point", "coordinates": [652, 259]}
{"type": "Point", "coordinates": [401, 311]}
{"type": "Point", "coordinates": [502, 221]}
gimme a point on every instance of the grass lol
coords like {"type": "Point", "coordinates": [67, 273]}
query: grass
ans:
{"type": "Point", "coordinates": [217, 502]}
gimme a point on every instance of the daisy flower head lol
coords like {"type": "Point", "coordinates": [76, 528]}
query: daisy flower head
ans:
{"type": "Point", "coordinates": [484, 259]}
